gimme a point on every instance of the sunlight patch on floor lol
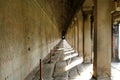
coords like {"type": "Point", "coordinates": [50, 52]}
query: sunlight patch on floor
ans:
{"type": "Point", "coordinates": [115, 71]}
{"type": "Point", "coordinates": [60, 49]}
{"type": "Point", "coordinates": [67, 49]}
{"type": "Point", "coordinates": [68, 52]}
{"type": "Point", "coordinates": [86, 74]}
{"type": "Point", "coordinates": [70, 56]}
{"type": "Point", "coordinates": [73, 64]}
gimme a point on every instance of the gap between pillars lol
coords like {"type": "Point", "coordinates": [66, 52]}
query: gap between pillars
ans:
{"type": "Point", "coordinates": [40, 69]}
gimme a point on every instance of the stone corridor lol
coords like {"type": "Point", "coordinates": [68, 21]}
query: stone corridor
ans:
{"type": "Point", "coordinates": [65, 65]}
{"type": "Point", "coordinates": [72, 39]}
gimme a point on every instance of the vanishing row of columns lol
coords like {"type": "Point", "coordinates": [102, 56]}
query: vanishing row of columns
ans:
{"type": "Point", "coordinates": [79, 35]}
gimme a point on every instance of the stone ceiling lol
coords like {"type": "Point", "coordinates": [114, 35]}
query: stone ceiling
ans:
{"type": "Point", "coordinates": [60, 11]}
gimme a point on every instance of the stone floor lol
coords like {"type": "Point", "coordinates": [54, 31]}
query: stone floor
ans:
{"type": "Point", "coordinates": [115, 71]}
{"type": "Point", "coordinates": [66, 64]}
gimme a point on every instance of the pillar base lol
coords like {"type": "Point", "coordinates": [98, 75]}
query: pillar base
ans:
{"type": "Point", "coordinates": [101, 78]}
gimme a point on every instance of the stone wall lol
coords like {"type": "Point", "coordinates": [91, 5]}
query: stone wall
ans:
{"type": "Point", "coordinates": [27, 34]}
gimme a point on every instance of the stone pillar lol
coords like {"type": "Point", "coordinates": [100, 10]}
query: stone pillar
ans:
{"type": "Point", "coordinates": [80, 33]}
{"type": "Point", "coordinates": [87, 38]}
{"type": "Point", "coordinates": [76, 35]}
{"type": "Point", "coordinates": [72, 35]}
{"type": "Point", "coordinates": [102, 40]}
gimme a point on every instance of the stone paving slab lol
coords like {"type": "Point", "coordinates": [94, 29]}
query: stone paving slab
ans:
{"type": "Point", "coordinates": [80, 68]}
{"type": "Point", "coordinates": [67, 49]}
{"type": "Point", "coordinates": [54, 58]}
{"type": "Point", "coordinates": [61, 78]}
{"type": "Point", "coordinates": [36, 77]}
{"type": "Point", "coordinates": [64, 56]}
{"type": "Point", "coordinates": [61, 75]}
{"type": "Point", "coordinates": [73, 73]}
{"type": "Point", "coordinates": [78, 60]}
{"type": "Point", "coordinates": [68, 52]}
{"type": "Point", "coordinates": [32, 74]}
{"type": "Point", "coordinates": [60, 69]}
{"type": "Point", "coordinates": [48, 70]}
{"type": "Point", "coordinates": [92, 79]}
{"type": "Point", "coordinates": [68, 61]}
{"type": "Point", "coordinates": [68, 56]}
{"type": "Point", "coordinates": [85, 69]}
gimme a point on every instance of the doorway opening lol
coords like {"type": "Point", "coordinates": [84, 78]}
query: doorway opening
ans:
{"type": "Point", "coordinates": [115, 64]}
{"type": "Point", "coordinates": [115, 42]}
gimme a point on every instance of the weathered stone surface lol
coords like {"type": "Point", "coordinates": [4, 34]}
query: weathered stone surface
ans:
{"type": "Point", "coordinates": [47, 71]}
{"type": "Point", "coordinates": [80, 68]}
{"type": "Point", "coordinates": [87, 39]}
{"type": "Point", "coordinates": [67, 49]}
{"type": "Point", "coordinates": [68, 56]}
{"type": "Point", "coordinates": [73, 73]}
{"type": "Point", "coordinates": [77, 60]}
{"type": "Point", "coordinates": [64, 56]}
{"type": "Point", "coordinates": [32, 75]}
{"type": "Point", "coordinates": [83, 67]}
{"type": "Point", "coordinates": [68, 61]}
{"type": "Point", "coordinates": [60, 78]}
{"type": "Point", "coordinates": [56, 56]}
{"type": "Point", "coordinates": [61, 74]}
{"type": "Point", "coordinates": [92, 79]}
{"type": "Point", "coordinates": [102, 49]}
{"type": "Point", "coordinates": [26, 35]}
{"type": "Point", "coordinates": [115, 71]}
{"type": "Point", "coordinates": [60, 69]}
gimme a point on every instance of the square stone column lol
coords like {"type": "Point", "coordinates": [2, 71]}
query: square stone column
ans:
{"type": "Point", "coordinates": [87, 38]}
{"type": "Point", "coordinates": [80, 32]}
{"type": "Point", "coordinates": [102, 40]}
{"type": "Point", "coordinates": [76, 34]}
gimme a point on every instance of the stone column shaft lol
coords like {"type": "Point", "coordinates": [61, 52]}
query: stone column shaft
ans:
{"type": "Point", "coordinates": [80, 33]}
{"type": "Point", "coordinates": [102, 40]}
{"type": "Point", "coordinates": [87, 38]}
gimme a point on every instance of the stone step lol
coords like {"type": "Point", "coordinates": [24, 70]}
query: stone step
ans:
{"type": "Point", "coordinates": [77, 60]}
{"type": "Point", "coordinates": [60, 49]}
{"type": "Point", "coordinates": [67, 49]}
{"type": "Point", "coordinates": [69, 52]}
{"type": "Point", "coordinates": [74, 62]}
{"type": "Point", "coordinates": [68, 56]}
